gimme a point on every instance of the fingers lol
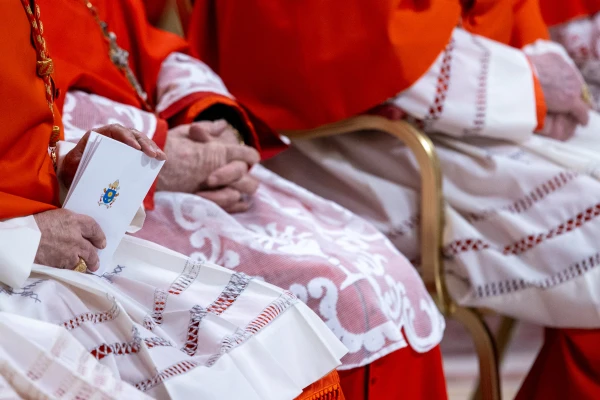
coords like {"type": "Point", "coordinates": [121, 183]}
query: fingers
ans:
{"type": "Point", "coordinates": [205, 131]}
{"type": "Point", "coordinates": [91, 231]}
{"type": "Point", "coordinates": [565, 127]}
{"type": "Point", "coordinates": [559, 126]}
{"type": "Point", "coordinates": [224, 198]}
{"type": "Point", "coordinates": [120, 133]}
{"type": "Point", "coordinates": [89, 254]}
{"type": "Point", "coordinates": [80, 146]}
{"type": "Point", "coordinates": [230, 200]}
{"type": "Point", "coordinates": [227, 174]}
{"type": "Point", "coordinates": [148, 146]}
{"type": "Point", "coordinates": [246, 185]}
{"type": "Point", "coordinates": [133, 138]}
{"type": "Point", "coordinates": [580, 112]}
{"type": "Point", "coordinates": [240, 206]}
{"type": "Point", "coordinates": [201, 131]}
{"type": "Point", "coordinates": [243, 153]}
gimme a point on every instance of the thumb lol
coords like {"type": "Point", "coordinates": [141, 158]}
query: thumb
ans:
{"type": "Point", "coordinates": [242, 153]}
{"type": "Point", "coordinates": [72, 160]}
{"type": "Point", "coordinates": [80, 146]}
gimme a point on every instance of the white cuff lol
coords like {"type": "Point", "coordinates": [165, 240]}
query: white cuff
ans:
{"type": "Point", "coordinates": [19, 241]}
{"type": "Point", "coordinates": [540, 47]}
{"type": "Point", "coordinates": [476, 87]}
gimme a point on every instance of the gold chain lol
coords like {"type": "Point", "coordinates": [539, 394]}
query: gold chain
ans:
{"type": "Point", "coordinates": [119, 56]}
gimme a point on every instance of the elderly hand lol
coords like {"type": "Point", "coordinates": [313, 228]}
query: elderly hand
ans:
{"type": "Point", "coordinates": [130, 137]}
{"type": "Point", "coordinates": [562, 85]}
{"type": "Point", "coordinates": [199, 167]}
{"type": "Point", "coordinates": [66, 237]}
{"type": "Point", "coordinates": [231, 185]}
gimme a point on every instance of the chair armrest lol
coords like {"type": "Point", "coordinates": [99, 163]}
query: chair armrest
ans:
{"type": "Point", "coordinates": [432, 203]}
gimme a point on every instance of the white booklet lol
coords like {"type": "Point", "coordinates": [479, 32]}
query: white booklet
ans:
{"type": "Point", "coordinates": [110, 185]}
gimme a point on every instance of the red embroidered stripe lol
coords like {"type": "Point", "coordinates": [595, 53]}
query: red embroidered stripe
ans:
{"type": "Point", "coordinates": [174, 370]}
{"type": "Point", "coordinates": [157, 341]}
{"type": "Point", "coordinates": [443, 83]}
{"type": "Point", "coordinates": [512, 285]}
{"type": "Point", "coordinates": [92, 317]}
{"type": "Point", "coordinates": [119, 349]}
{"type": "Point", "coordinates": [525, 244]}
{"type": "Point", "coordinates": [234, 288]}
{"type": "Point", "coordinates": [179, 285]}
{"type": "Point", "coordinates": [521, 205]}
{"type": "Point", "coordinates": [479, 122]}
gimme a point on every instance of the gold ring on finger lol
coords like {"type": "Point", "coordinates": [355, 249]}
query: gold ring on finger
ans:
{"type": "Point", "coordinates": [81, 266]}
{"type": "Point", "coordinates": [586, 95]}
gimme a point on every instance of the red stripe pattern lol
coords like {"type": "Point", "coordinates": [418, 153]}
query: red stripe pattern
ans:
{"type": "Point", "coordinates": [119, 349]}
{"type": "Point", "coordinates": [92, 317]}
{"type": "Point", "coordinates": [179, 285]}
{"type": "Point", "coordinates": [539, 193]}
{"type": "Point", "coordinates": [479, 122]}
{"type": "Point", "coordinates": [525, 244]}
{"type": "Point", "coordinates": [180, 368]}
{"type": "Point", "coordinates": [236, 285]}
{"type": "Point", "coordinates": [512, 285]}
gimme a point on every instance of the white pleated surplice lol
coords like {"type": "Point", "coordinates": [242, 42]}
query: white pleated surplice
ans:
{"type": "Point", "coordinates": [522, 211]}
{"type": "Point", "coordinates": [172, 328]}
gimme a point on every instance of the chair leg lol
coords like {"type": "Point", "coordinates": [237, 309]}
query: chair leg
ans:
{"type": "Point", "coordinates": [486, 351]}
{"type": "Point", "coordinates": [503, 337]}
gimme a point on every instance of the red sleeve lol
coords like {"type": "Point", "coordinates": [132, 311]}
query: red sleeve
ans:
{"type": "Point", "coordinates": [529, 25]}
{"type": "Point", "coordinates": [255, 131]}
{"type": "Point", "coordinates": [540, 101]}
{"type": "Point", "coordinates": [557, 12]}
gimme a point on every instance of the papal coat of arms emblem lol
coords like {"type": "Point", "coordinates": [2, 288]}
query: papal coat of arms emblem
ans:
{"type": "Point", "coordinates": [110, 194]}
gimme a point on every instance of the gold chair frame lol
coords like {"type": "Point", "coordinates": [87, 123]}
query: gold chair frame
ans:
{"type": "Point", "coordinates": [432, 226]}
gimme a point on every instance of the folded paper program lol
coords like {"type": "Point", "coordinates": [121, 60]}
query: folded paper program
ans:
{"type": "Point", "coordinates": [110, 184]}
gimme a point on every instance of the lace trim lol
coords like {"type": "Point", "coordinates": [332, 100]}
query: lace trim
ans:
{"type": "Point", "coordinates": [236, 285]}
{"type": "Point", "coordinates": [266, 316]}
{"type": "Point", "coordinates": [180, 284]}
{"type": "Point", "coordinates": [177, 369]}
{"type": "Point", "coordinates": [234, 288]}
{"type": "Point", "coordinates": [93, 317]}
{"type": "Point", "coordinates": [119, 349]}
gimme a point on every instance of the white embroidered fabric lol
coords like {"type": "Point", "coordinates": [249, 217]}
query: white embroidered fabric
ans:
{"type": "Point", "coordinates": [521, 219]}
{"type": "Point", "coordinates": [171, 327]}
{"type": "Point", "coordinates": [367, 293]}
{"type": "Point", "coordinates": [41, 360]}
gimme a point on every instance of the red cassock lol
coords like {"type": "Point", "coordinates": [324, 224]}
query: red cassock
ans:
{"type": "Point", "coordinates": [303, 64]}
{"type": "Point", "coordinates": [82, 63]}
{"type": "Point", "coordinates": [556, 12]}
{"type": "Point", "coordinates": [28, 184]}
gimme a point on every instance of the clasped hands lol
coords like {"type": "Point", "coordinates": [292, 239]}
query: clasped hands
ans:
{"type": "Point", "coordinates": [206, 159]}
